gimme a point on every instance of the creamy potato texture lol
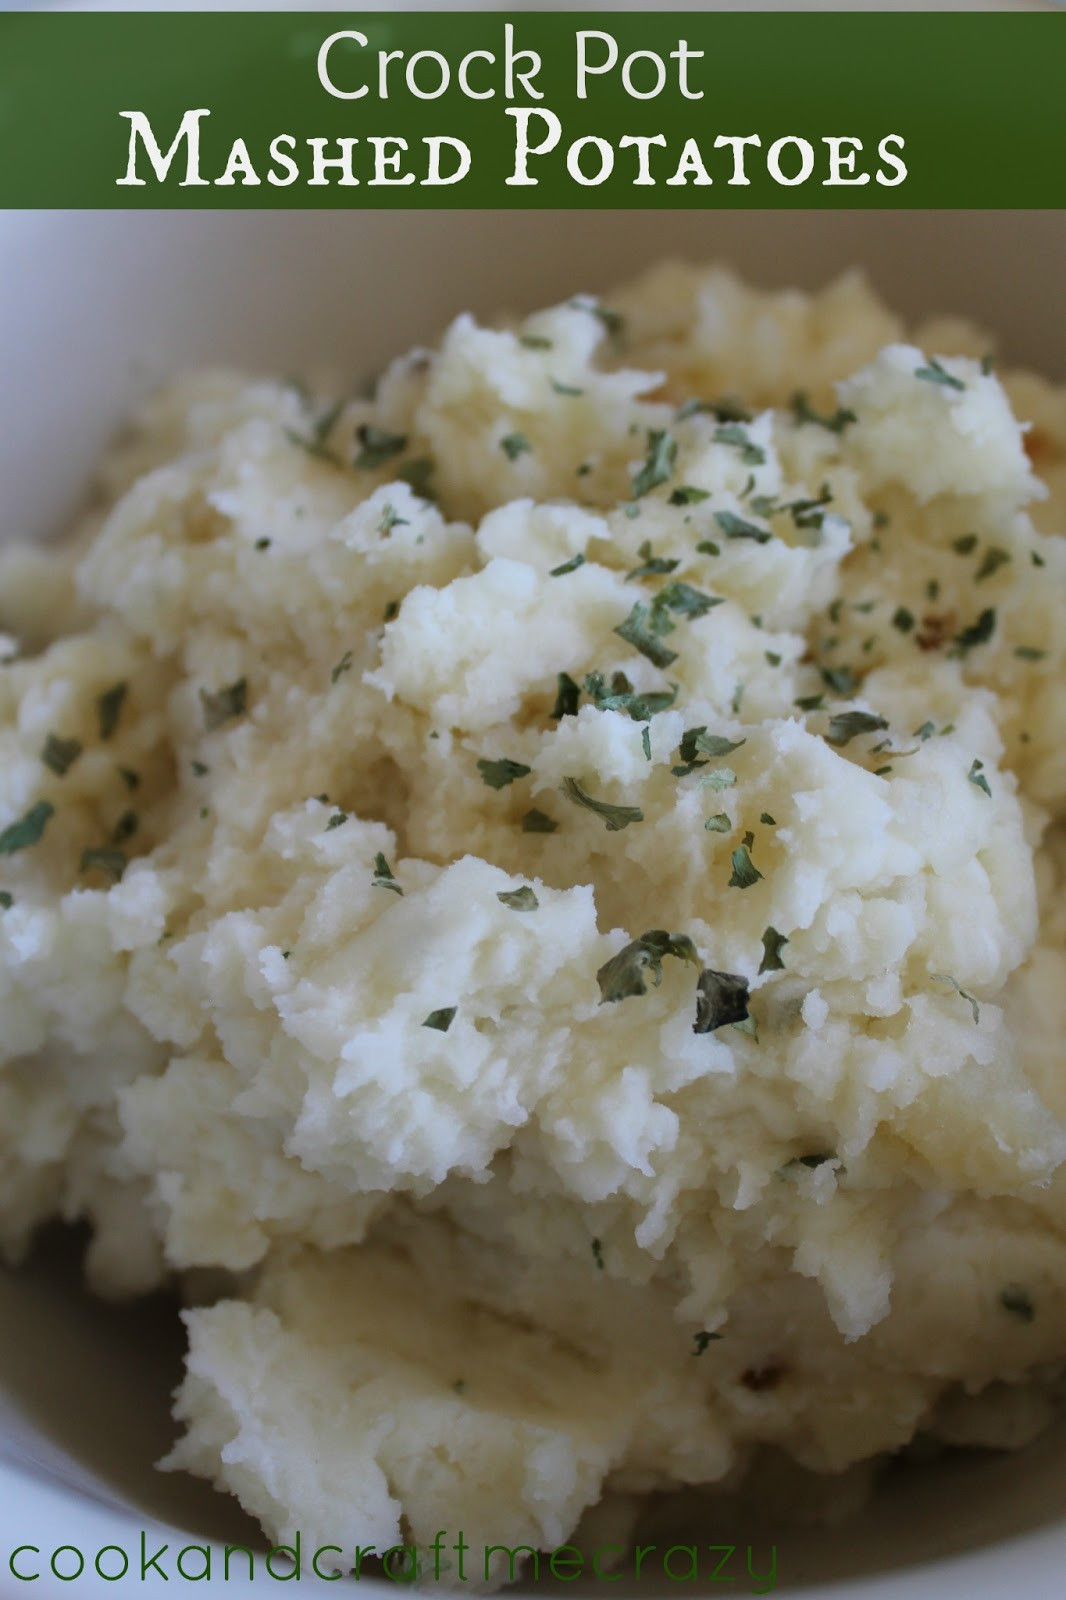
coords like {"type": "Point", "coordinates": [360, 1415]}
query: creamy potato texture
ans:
{"type": "Point", "coordinates": [386, 787]}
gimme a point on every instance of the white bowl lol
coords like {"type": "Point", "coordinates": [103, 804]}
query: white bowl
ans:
{"type": "Point", "coordinates": [95, 309]}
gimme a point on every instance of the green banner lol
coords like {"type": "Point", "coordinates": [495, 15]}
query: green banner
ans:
{"type": "Point", "coordinates": [561, 109]}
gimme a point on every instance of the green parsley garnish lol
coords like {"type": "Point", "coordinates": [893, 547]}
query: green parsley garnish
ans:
{"type": "Point", "coordinates": [131, 779]}
{"type": "Point", "coordinates": [767, 819]}
{"type": "Point", "coordinates": [536, 821]}
{"type": "Point", "coordinates": [337, 820]}
{"type": "Point", "coordinates": [686, 494]}
{"type": "Point", "coordinates": [719, 823]}
{"type": "Point", "coordinates": [377, 446]}
{"type": "Point", "coordinates": [733, 434]}
{"type": "Point", "coordinates": [391, 519]}
{"type": "Point", "coordinates": [978, 779]}
{"type": "Point", "coordinates": [27, 830]}
{"type": "Point", "coordinates": [343, 666]}
{"type": "Point", "coordinates": [847, 725]}
{"type": "Point", "coordinates": [613, 321]}
{"type": "Point", "coordinates": [652, 566]}
{"type": "Point", "coordinates": [810, 702]}
{"type": "Point", "coordinates": [721, 1000]}
{"type": "Point", "coordinates": [391, 612]}
{"type": "Point", "coordinates": [658, 464]}
{"type": "Point", "coordinates": [745, 874]}
{"type": "Point", "coordinates": [597, 1254]}
{"type": "Point", "coordinates": [565, 388]}
{"type": "Point", "coordinates": [926, 731]}
{"type": "Point", "coordinates": [683, 599]}
{"type": "Point", "coordinates": [7, 900]}
{"type": "Point", "coordinates": [978, 632]}
{"type": "Point", "coordinates": [498, 774]}
{"type": "Point", "coordinates": [59, 755]}
{"type": "Point", "coordinates": [933, 372]}
{"type": "Point", "coordinates": [442, 1019]}
{"type": "Point", "coordinates": [945, 977]}
{"type": "Point", "coordinates": [623, 975]}
{"type": "Point", "coordinates": [566, 700]}
{"type": "Point", "coordinates": [568, 566]}
{"type": "Point", "coordinates": [225, 704]}
{"type": "Point", "coordinates": [810, 513]}
{"type": "Point", "coordinates": [903, 619]}
{"type": "Point", "coordinates": [708, 547]}
{"type": "Point", "coordinates": [735, 527]}
{"type": "Point", "coordinates": [522, 899]}
{"type": "Point", "coordinates": [383, 875]}
{"type": "Point", "coordinates": [697, 743]}
{"type": "Point", "coordinates": [702, 1340]}
{"type": "Point", "coordinates": [109, 708]}
{"type": "Point", "coordinates": [1016, 1300]}
{"type": "Point", "coordinates": [836, 422]}
{"type": "Point", "coordinates": [965, 544]}
{"type": "Point", "coordinates": [1028, 652]}
{"type": "Point", "coordinates": [994, 558]}
{"type": "Point", "coordinates": [616, 817]}
{"type": "Point", "coordinates": [640, 629]}
{"type": "Point", "coordinates": [772, 945]}
{"type": "Point", "coordinates": [514, 445]}
{"type": "Point", "coordinates": [841, 680]}
{"type": "Point", "coordinates": [722, 410]}
{"type": "Point", "coordinates": [315, 445]}
{"type": "Point", "coordinates": [720, 778]}
{"type": "Point", "coordinates": [621, 696]}
{"type": "Point", "coordinates": [534, 341]}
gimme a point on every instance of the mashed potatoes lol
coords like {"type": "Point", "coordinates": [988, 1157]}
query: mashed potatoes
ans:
{"type": "Point", "coordinates": [547, 882]}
